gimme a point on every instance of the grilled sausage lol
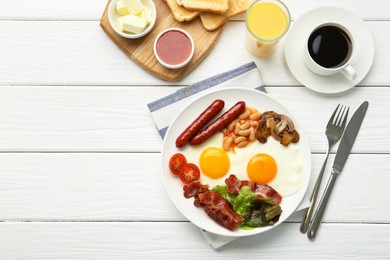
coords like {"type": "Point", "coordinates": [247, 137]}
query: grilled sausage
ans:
{"type": "Point", "coordinates": [220, 123]}
{"type": "Point", "coordinates": [210, 112]}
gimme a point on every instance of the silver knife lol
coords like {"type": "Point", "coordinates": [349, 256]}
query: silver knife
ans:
{"type": "Point", "coordinates": [342, 154]}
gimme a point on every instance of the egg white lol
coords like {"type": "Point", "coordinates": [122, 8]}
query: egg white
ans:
{"type": "Point", "coordinates": [192, 154]}
{"type": "Point", "coordinates": [289, 162]}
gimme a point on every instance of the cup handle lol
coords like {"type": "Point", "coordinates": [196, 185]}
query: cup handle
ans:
{"type": "Point", "coordinates": [349, 72]}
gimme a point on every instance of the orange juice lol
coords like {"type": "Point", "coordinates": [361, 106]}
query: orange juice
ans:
{"type": "Point", "coordinates": [266, 21]}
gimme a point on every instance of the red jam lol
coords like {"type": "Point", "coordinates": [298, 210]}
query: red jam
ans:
{"type": "Point", "coordinates": [174, 47]}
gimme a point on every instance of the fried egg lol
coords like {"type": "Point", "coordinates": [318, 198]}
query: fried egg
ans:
{"type": "Point", "coordinates": [270, 163]}
{"type": "Point", "coordinates": [214, 162]}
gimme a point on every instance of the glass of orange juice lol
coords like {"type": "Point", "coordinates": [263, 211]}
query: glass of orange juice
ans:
{"type": "Point", "coordinates": [266, 22]}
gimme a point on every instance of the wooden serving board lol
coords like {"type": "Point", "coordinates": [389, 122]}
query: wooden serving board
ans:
{"type": "Point", "coordinates": [141, 50]}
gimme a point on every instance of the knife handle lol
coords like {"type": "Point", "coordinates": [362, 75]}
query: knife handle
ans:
{"type": "Point", "coordinates": [322, 206]}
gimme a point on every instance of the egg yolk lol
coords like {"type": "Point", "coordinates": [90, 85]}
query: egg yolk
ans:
{"type": "Point", "coordinates": [214, 162]}
{"type": "Point", "coordinates": [262, 168]}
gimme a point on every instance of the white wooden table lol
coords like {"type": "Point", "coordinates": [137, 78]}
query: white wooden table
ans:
{"type": "Point", "coordinates": [80, 173]}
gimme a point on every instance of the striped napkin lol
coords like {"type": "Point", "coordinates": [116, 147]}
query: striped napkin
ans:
{"type": "Point", "coordinates": [165, 109]}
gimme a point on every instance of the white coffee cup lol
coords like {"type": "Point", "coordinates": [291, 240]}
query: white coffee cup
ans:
{"type": "Point", "coordinates": [329, 50]}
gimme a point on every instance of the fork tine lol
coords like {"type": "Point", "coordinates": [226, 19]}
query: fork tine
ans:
{"type": "Point", "coordinates": [333, 116]}
{"type": "Point", "coordinates": [340, 116]}
{"type": "Point", "coordinates": [345, 118]}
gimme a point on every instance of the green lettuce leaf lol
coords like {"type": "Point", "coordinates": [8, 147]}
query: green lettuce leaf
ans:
{"type": "Point", "coordinates": [256, 212]}
{"type": "Point", "coordinates": [264, 212]}
{"type": "Point", "coordinates": [222, 190]}
{"type": "Point", "coordinates": [243, 202]}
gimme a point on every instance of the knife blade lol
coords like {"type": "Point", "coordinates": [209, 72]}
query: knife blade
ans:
{"type": "Point", "coordinates": [342, 154]}
{"type": "Point", "coordinates": [349, 137]}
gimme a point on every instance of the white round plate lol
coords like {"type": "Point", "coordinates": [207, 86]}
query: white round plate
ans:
{"type": "Point", "coordinates": [295, 44]}
{"type": "Point", "coordinates": [173, 185]}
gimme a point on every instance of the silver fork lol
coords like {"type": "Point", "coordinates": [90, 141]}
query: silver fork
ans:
{"type": "Point", "coordinates": [334, 130]}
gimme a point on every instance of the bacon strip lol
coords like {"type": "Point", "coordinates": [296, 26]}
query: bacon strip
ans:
{"type": "Point", "coordinates": [194, 188]}
{"type": "Point", "coordinates": [217, 207]}
{"type": "Point", "coordinates": [268, 192]}
{"type": "Point", "coordinates": [234, 185]}
{"type": "Point", "coordinates": [220, 210]}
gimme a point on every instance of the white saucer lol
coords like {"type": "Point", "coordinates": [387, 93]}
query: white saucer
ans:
{"type": "Point", "coordinates": [295, 42]}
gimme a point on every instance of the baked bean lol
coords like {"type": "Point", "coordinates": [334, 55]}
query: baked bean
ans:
{"type": "Point", "coordinates": [241, 131]}
{"type": "Point", "coordinates": [255, 116]}
{"type": "Point", "coordinates": [225, 131]}
{"type": "Point", "coordinates": [245, 125]}
{"type": "Point", "coordinates": [228, 143]}
{"type": "Point", "coordinates": [242, 144]}
{"type": "Point", "coordinates": [252, 135]}
{"type": "Point", "coordinates": [254, 124]}
{"type": "Point", "coordinates": [244, 132]}
{"type": "Point", "coordinates": [232, 125]}
{"type": "Point", "coordinates": [237, 128]}
{"type": "Point", "coordinates": [245, 114]}
{"type": "Point", "coordinates": [240, 139]}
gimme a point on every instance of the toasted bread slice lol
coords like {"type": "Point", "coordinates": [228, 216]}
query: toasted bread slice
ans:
{"type": "Point", "coordinates": [212, 21]}
{"type": "Point", "coordinates": [216, 6]}
{"type": "Point", "coordinates": [180, 13]}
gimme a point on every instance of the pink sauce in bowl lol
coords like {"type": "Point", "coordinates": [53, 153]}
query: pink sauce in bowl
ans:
{"type": "Point", "coordinates": [174, 48]}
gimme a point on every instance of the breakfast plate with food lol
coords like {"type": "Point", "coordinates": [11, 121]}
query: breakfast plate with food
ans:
{"type": "Point", "coordinates": [236, 162]}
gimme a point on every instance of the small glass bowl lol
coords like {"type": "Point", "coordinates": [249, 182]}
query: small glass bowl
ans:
{"type": "Point", "coordinates": [174, 66]}
{"type": "Point", "coordinates": [113, 16]}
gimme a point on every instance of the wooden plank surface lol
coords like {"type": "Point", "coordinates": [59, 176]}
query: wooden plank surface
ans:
{"type": "Point", "coordinates": [77, 144]}
{"type": "Point", "coordinates": [178, 240]}
{"type": "Point", "coordinates": [80, 53]}
{"type": "Point", "coordinates": [129, 187]}
{"type": "Point", "coordinates": [92, 9]}
{"type": "Point", "coordinates": [63, 118]}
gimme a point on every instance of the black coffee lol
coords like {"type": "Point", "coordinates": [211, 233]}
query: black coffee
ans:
{"type": "Point", "coordinates": [330, 46]}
